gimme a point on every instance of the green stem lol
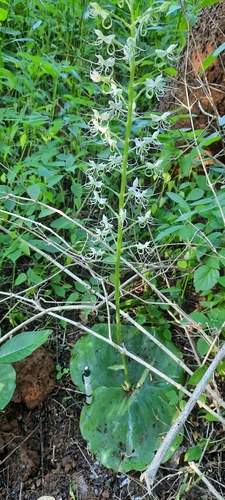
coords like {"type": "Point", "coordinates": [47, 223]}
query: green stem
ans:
{"type": "Point", "coordinates": [121, 199]}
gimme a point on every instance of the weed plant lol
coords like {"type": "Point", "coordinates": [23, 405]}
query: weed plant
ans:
{"type": "Point", "coordinates": [103, 215]}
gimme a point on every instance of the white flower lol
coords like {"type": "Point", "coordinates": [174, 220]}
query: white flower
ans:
{"type": "Point", "coordinates": [154, 138]}
{"type": "Point", "coordinates": [114, 162]}
{"type": "Point", "coordinates": [116, 108]}
{"type": "Point", "coordinates": [139, 194]}
{"type": "Point", "coordinates": [146, 19]}
{"type": "Point", "coordinates": [107, 139]}
{"type": "Point", "coordinates": [93, 183]}
{"type": "Point", "coordinates": [161, 119]}
{"type": "Point", "coordinates": [105, 65]}
{"type": "Point", "coordinates": [95, 168]}
{"type": "Point", "coordinates": [116, 92]}
{"type": "Point", "coordinates": [96, 125]}
{"type": "Point", "coordinates": [155, 87]}
{"type": "Point", "coordinates": [98, 128]}
{"type": "Point", "coordinates": [108, 39]}
{"type": "Point", "coordinates": [93, 165]}
{"type": "Point", "coordinates": [97, 199]}
{"type": "Point", "coordinates": [107, 228]}
{"type": "Point", "coordinates": [154, 167]}
{"type": "Point", "coordinates": [142, 247]}
{"type": "Point", "coordinates": [95, 76]}
{"type": "Point", "coordinates": [104, 117]}
{"type": "Point", "coordinates": [168, 53]}
{"type": "Point", "coordinates": [143, 145]}
{"type": "Point", "coordinates": [143, 219]}
{"type": "Point", "coordinates": [95, 253]}
{"type": "Point", "coordinates": [95, 10]}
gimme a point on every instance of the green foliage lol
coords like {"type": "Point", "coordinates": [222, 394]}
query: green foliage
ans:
{"type": "Point", "coordinates": [116, 424]}
{"type": "Point", "coordinates": [211, 58]}
{"type": "Point", "coordinates": [197, 375]}
{"type": "Point", "coordinates": [193, 453]}
{"type": "Point", "coordinates": [61, 371]}
{"type": "Point", "coordinates": [15, 349]}
{"type": "Point", "coordinates": [89, 205]}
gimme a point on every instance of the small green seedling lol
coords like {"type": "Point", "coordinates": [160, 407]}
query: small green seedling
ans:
{"type": "Point", "coordinates": [61, 371]}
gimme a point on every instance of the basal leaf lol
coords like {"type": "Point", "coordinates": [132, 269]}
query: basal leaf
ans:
{"type": "Point", "coordinates": [124, 428]}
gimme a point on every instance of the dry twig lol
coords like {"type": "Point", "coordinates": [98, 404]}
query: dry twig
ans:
{"type": "Point", "coordinates": [149, 475]}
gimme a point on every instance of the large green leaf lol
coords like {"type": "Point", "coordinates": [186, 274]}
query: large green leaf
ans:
{"type": "Point", "coordinates": [125, 428]}
{"type": "Point", "coordinates": [7, 384]}
{"type": "Point", "coordinates": [205, 278]}
{"type": "Point", "coordinates": [23, 344]}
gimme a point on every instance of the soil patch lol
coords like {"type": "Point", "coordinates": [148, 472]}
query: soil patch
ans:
{"type": "Point", "coordinates": [35, 378]}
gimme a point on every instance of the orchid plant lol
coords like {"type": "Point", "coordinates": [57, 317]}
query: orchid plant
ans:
{"type": "Point", "coordinates": [127, 402]}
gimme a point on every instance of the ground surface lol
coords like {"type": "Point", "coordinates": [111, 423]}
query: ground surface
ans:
{"type": "Point", "coordinates": [42, 451]}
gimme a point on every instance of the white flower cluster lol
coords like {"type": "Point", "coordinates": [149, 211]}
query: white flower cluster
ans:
{"type": "Point", "coordinates": [109, 125]}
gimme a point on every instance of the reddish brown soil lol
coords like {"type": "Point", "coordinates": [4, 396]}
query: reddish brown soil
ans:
{"type": "Point", "coordinates": [35, 378]}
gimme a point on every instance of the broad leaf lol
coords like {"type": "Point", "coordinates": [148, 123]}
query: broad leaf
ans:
{"type": "Point", "coordinates": [23, 344]}
{"type": "Point", "coordinates": [125, 428]}
{"type": "Point", "coordinates": [195, 194]}
{"type": "Point", "coordinates": [205, 278]}
{"type": "Point", "coordinates": [193, 453]}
